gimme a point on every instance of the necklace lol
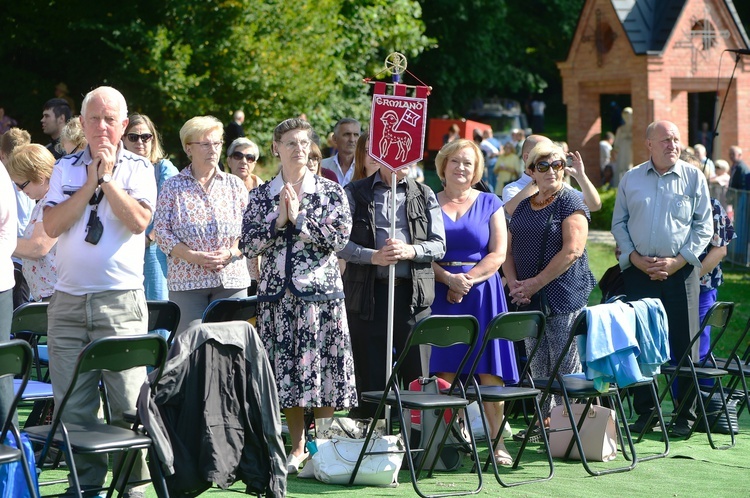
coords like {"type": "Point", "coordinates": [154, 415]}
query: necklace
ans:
{"type": "Point", "coordinates": [457, 202]}
{"type": "Point", "coordinates": [546, 202]}
{"type": "Point", "coordinates": [295, 183]}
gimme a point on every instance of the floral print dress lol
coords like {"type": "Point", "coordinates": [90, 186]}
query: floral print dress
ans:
{"type": "Point", "coordinates": [301, 312]}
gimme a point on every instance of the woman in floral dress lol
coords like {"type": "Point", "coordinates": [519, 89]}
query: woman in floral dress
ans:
{"type": "Point", "coordinates": [297, 222]}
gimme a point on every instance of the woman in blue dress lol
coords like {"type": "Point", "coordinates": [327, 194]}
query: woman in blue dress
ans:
{"type": "Point", "coordinates": [467, 279]}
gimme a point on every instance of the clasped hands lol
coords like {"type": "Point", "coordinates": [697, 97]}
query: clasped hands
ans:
{"type": "Point", "coordinates": [103, 163]}
{"type": "Point", "coordinates": [522, 290]}
{"type": "Point", "coordinates": [657, 268]}
{"type": "Point", "coordinates": [459, 284]}
{"type": "Point", "coordinates": [288, 206]}
{"type": "Point", "coordinates": [393, 251]}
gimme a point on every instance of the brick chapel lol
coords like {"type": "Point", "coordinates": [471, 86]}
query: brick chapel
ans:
{"type": "Point", "coordinates": [668, 57]}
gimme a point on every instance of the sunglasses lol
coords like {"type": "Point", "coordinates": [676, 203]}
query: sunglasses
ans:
{"type": "Point", "coordinates": [544, 166]}
{"type": "Point", "coordinates": [23, 185]}
{"type": "Point", "coordinates": [145, 137]}
{"type": "Point", "coordinates": [237, 156]}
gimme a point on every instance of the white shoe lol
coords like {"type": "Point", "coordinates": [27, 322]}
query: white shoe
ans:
{"type": "Point", "coordinates": [507, 431]}
{"type": "Point", "coordinates": [293, 463]}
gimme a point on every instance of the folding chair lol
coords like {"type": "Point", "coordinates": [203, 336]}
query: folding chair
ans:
{"type": "Point", "coordinates": [15, 359]}
{"type": "Point", "coordinates": [30, 323]}
{"type": "Point", "coordinates": [514, 326]}
{"type": "Point", "coordinates": [739, 368]}
{"type": "Point", "coordinates": [717, 318]}
{"type": "Point", "coordinates": [436, 331]}
{"type": "Point", "coordinates": [163, 315]}
{"type": "Point", "coordinates": [231, 308]}
{"type": "Point", "coordinates": [114, 354]}
{"type": "Point", "coordinates": [576, 386]}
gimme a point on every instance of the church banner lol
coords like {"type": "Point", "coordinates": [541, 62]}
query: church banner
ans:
{"type": "Point", "coordinates": [397, 129]}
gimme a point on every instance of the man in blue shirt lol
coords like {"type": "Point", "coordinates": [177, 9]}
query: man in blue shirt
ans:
{"type": "Point", "coordinates": [661, 222]}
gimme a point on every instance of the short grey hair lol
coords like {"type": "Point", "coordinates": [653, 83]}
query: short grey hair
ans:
{"type": "Point", "coordinates": [243, 142]}
{"type": "Point", "coordinates": [111, 92]}
{"type": "Point", "coordinates": [343, 121]}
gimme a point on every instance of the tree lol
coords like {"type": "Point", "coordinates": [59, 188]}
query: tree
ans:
{"type": "Point", "coordinates": [179, 58]}
{"type": "Point", "coordinates": [490, 48]}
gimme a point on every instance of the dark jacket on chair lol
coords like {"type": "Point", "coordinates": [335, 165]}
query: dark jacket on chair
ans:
{"type": "Point", "coordinates": [215, 415]}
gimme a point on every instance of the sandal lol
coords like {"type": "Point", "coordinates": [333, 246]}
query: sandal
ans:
{"type": "Point", "coordinates": [502, 457]}
{"type": "Point", "coordinates": [534, 437]}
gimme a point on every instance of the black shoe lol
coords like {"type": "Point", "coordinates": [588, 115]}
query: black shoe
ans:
{"type": "Point", "coordinates": [534, 437]}
{"type": "Point", "coordinates": [640, 424]}
{"type": "Point", "coordinates": [680, 428]}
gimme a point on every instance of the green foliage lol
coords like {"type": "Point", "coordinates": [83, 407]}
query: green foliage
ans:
{"type": "Point", "coordinates": [491, 48]}
{"type": "Point", "coordinates": [175, 59]}
{"type": "Point", "coordinates": [602, 219]}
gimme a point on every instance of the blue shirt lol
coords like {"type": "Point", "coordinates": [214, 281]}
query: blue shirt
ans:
{"type": "Point", "coordinates": [662, 215]}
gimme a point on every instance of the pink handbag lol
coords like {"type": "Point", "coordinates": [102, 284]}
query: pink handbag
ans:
{"type": "Point", "coordinates": [598, 433]}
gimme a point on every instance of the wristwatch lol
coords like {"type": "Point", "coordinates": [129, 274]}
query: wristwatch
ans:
{"type": "Point", "coordinates": [106, 178]}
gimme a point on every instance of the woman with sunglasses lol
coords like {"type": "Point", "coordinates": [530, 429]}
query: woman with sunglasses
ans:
{"type": "Point", "coordinates": [142, 138]}
{"type": "Point", "coordinates": [30, 168]}
{"type": "Point", "coordinates": [198, 221]}
{"type": "Point", "coordinates": [297, 222]}
{"type": "Point", "coordinates": [547, 243]}
{"type": "Point", "coordinates": [242, 156]}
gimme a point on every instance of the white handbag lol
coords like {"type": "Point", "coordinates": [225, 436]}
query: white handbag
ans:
{"type": "Point", "coordinates": [334, 461]}
{"type": "Point", "coordinates": [597, 433]}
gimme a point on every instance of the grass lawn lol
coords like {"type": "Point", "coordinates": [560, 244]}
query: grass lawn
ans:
{"type": "Point", "coordinates": [691, 469]}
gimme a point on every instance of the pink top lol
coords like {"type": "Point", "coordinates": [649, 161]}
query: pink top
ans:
{"type": "Point", "coordinates": [204, 221]}
{"type": "Point", "coordinates": [40, 274]}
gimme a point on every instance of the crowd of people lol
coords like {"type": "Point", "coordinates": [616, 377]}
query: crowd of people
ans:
{"type": "Point", "coordinates": [314, 244]}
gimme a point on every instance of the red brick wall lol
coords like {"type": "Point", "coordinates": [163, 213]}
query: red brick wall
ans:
{"type": "Point", "coordinates": [659, 84]}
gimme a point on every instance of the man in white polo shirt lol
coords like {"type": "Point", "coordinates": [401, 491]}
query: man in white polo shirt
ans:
{"type": "Point", "coordinates": [99, 203]}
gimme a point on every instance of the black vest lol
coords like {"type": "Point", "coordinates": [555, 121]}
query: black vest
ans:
{"type": "Point", "coordinates": [359, 280]}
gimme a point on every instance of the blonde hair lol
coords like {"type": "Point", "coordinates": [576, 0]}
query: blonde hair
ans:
{"type": "Point", "coordinates": [73, 132]}
{"type": "Point", "coordinates": [453, 148]}
{"type": "Point", "coordinates": [31, 162]}
{"type": "Point", "coordinates": [15, 137]}
{"type": "Point", "coordinates": [542, 150]}
{"type": "Point", "coordinates": [199, 125]}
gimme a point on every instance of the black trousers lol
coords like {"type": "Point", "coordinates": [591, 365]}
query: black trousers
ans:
{"type": "Point", "coordinates": [21, 288]}
{"type": "Point", "coordinates": [369, 342]}
{"type": "Point", "coordinates": [679, 294]}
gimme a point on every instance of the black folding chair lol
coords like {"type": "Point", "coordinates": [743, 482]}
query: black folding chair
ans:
{"type": "Point", "coordinates": [717, 317]}
{"type": "Point", "coordinates": [30, 324]}
{"type": "Point", "coordinates": [436, 331]}
{"type": "Point", "coordinates": [514, 327]}
{"type": "Point", "coordinates": [16, 359]}
{"type": "Point", "coordinates": [575, 386]}
{"type": "Point", "coordinates": [231, 308]}
{"type": "Point", "coordinates": [114, 354]}
{"type": "Point", "coordinates": [163, 315]}
{"type": "Point", "coordinates": [738, 368]}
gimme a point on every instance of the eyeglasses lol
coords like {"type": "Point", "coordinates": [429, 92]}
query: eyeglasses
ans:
{"type": "Point", "coordinates": [237, 156]}
{"type": "Point", "coordinates": [144, 137]}
{"type": "Point", "coordinates": [23, 185]}
{"type": "Point", "coordinates": [544, 166]}
{"type": "Point", "coordinates": [208, 145]}
{"type": "Point", "coordinates": [293, 145]}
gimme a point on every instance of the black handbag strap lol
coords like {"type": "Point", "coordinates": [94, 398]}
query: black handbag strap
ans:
{"type": "Point", "coordinates": [544, 239]}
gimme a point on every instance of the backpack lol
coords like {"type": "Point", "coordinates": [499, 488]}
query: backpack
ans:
{"type": "Point", "coordinates": [419, 426]}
